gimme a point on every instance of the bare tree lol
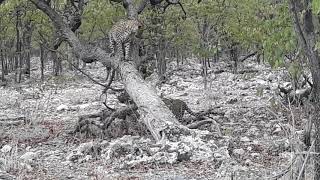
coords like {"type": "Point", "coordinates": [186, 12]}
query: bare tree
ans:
{"type": "Point", "coordinates": [307, 39]}
{"type": "Point", "coordinates": [157, 117]}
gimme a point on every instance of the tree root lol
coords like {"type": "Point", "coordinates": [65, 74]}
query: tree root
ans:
{"type": "Point", "coordinates": [111, 124]}
{"type": "Point", "coordinates": [125, 121]}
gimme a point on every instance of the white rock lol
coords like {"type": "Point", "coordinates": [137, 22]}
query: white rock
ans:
{"type": "Point", "coordinates": [248, 162]}
{"type": "Point", "coordinates": [84, 106]}
{"type": "Point", "coordinates": [277, 129]}
{"type": "Point", "coordinates": [66, 163]}
{"type": "Point", "coordinates": [62, 107]}
{"type": "Point", "coordinates": [85, 159]}
{"type": "Point", "coordinates": [286, 155]}
{"type": "Point", "coordinates": [28, 156]}
{"type": "Point", "coordinates": [244, 139]}
{"type": "Point", "coordinates": [255, 154]}
{"type": "Point", "coordinates": [217, 155]}
{"type": "Point", "coordinates": [238, 151]}
{"type": "Point", "coordinates": [27, 166]}
{"type": "Point", "coordinates": [253, 131]}
{"type": "Point", "coordinates": [6, 149]}
{"type": "Point", "coordinates": [261, 82]}
{"type": "Point", "coordinates": [267, 125]}
{"type": "Point", "coordinates": [85, 147]}
{"type": "Point", "coordinates": [255, 142]}
{"type": "Point", "coordinates": [72, 157]}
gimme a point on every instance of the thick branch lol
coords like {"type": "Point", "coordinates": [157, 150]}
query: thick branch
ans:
{"type": "Point", "coordinates": [157, 117]}
{"type": "Point", "coordinates": [307, 40]}
{"type": "Point", "coordinates": [87, 54]}
{"type": "Point", "coordinates": [297, 26]}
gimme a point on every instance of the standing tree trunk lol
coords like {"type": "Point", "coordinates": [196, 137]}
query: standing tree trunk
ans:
{"type": "Point", "coordinates": [2, 65]}
{"type": "Point", "coordinates": [204, 72]}
{"type": "Point", "coordinates": [42, 61]}
{"type": "Point", "coordinates": [307, 40]}
{"type": "Point", "coordinates": [27, 36]}
{"type": "Point", "coordinates": [18, 58]}
{"type": "Point", "coordinates": [234, 56]}
{"type": "Point", "coordinates": [56, 62]}
{"type": "Point", "coordinates": [161, 60]}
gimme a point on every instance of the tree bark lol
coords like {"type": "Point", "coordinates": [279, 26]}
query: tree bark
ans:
{"type": "Point", "coordinates": [307, 40]}
{"type": "Point", "coordinates": [2, 65]}
{"type": "Point", "coordinates": [42, 61]}
{"type": "Point", "coordinates": [157, 117]}
{"type": "Point", "coordinates": [18, 46]}
{"type": "Point", "coordinates": [27, 36]}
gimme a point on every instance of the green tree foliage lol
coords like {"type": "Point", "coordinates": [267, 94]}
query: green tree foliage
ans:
{"type": "Point", "coordinates": [98, 18]}
{"type": "Point", "coordinates": [249, 23]}
{"type": "Point", "coordinates": [316, 7]}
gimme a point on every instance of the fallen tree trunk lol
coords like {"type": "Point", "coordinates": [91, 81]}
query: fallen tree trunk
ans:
{"type": "Point", "coordinates": [155, 114]}
{"type": "Point", "coordinates": [157, 117]}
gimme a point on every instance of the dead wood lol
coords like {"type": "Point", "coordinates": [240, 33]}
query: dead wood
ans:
{"type": "Point", "coordinates": [244, 71]}
{"type": "Point", "coordinates": [120, 114]}
{"type": "Point", "coordinates": [13, 121]}
{"type": "Point", "coordinates": [156, 116]}
{"type": "Point", "coordinates": [117, 123]}
{"type": "Point", "coordinates": [295, 96]}
{"type": "Point", "coordinates": [108, 123]}
{"type": "Point", "coordinates": [197, 124]}
{"type": "Point", "coordinates": [248, 56]}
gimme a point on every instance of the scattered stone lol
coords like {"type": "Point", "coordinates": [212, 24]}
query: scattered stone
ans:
{"type": "Point", "coordinates": [27, 166]}
{"type": "Point", "coordinates": [62, 107]}
{"type": "Point", "coordinates": [255, 154]}
{"type": "Point", "coordinates": [28, 156]}
{"type": "Point", "coordinates": [232, 100]}
{"type": "Point", "coordinates": [277, 129]}
{"type": "Point", "coordinates": [267, 125]}
{"type": "Point", "coordinates": [239, 152]}
{"type": "Point", "coordinates": [66, 163]}
{"type": "Point", "coordinates": [253, 131]}
{"type": "Point", "coordinates": [83, 106]}
{"type": "Point", "coordinates": [80, 153]}
{"type": "Point", "coordinates": [244, 139]}
{"type": "Point", "coordinates": [262, 82]}
{"type": "Point", "coordinates": [271, 77]}
{"type": "Point", "coordinates": [6, 148]}
{"type": "Point", "coordinates": [85, 159]}
{"type": "Point", "coordinates": [73, 157]}
{"type": "Point", "coordinates": [248, 162]}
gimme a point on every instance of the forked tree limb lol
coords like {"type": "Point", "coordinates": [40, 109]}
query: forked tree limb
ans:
{"type": "Point", "coordinates": [157, 117]}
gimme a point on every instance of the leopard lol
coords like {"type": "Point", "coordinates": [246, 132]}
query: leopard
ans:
{"type": "Point", "coordinates": [176, 106]}
{"type": "Point", "coordinates": [121, 36]}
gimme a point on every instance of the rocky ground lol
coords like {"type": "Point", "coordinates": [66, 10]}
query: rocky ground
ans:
{"type": "Point", "coordinates": [255, 139]}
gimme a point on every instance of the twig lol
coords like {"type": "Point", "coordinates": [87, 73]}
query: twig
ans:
{"type": "Point", "coordinates": [305, 162]}
{"type": "Point", "coordinates": [95, 81]}
{"type": "Point", "coordinates": [285, 171]}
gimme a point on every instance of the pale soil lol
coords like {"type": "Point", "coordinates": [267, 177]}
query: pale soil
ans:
{"type": "Point", "coordinates": [255, 124]}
